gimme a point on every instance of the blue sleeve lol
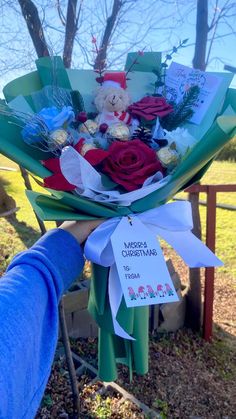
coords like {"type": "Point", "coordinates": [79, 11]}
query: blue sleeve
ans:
{"type": "Point", "coordinates": [29, 296]}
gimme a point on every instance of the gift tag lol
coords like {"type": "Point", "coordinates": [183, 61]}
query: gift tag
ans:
{"type": "Point", "coordinates": [141, 266]}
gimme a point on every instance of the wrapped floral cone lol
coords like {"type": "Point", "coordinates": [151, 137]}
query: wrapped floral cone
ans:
{"type": "Point", "coordinates": [91, 174]}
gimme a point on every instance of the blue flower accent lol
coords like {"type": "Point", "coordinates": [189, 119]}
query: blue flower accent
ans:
{"type": "Point", "coordinates": [54, 118]}
{"type": "Point", "coordinates": [32, 132]}
{"type": "Point", "coordinates": [46, 121]}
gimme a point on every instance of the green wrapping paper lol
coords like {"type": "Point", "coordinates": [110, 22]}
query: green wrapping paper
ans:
{"type": "Point", "coordinates": [112, 348]}
{"type": "Point", "coordinates": [24, 94]}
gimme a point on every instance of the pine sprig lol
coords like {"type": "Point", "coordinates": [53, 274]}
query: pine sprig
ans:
{"type": "Point", "coordinates": [182, 111]}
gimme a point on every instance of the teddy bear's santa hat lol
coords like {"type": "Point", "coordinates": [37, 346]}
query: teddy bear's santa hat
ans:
{"type": "Point", "coordinates": [115, 79]}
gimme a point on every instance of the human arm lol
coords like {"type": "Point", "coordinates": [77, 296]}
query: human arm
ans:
{"type": "Point", "coordinates": [29, 296]}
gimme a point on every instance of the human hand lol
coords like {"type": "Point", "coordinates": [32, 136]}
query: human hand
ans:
{"type": "Point", "coordinates": [81, 229]}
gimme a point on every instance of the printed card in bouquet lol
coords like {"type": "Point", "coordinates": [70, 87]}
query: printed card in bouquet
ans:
{"type": "Point", "coordinates": [141, 266]}
{"type": "Point", "coordinates": [180, 79]}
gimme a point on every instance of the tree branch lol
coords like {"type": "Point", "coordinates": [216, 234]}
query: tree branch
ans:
{"type": "Point", "coordinates": [102, 53]}
{"type": "Point", "coordinates": [34, 25]}
{"type": "Point", "coordinates": [212, 24]}
{"type": "Point", "coordinates": [60, 13]}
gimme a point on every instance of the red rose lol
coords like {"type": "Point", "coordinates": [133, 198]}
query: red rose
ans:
{"type": "Point", "coordinates": [130, 163]}
{"type": "Point", "coordinates": [150, 107]}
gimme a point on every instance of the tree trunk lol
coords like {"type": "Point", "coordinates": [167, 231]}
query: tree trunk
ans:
{"type": "Point", "coordinates": [194, 303]}
{"type": "Point", "coordinates": [71, 29]}
{"type": "Point", "coordinates": [34, 25]}
{"type": "Point", "coordinates": [202, 28]}
{"type": "Point", "coordinates": [102, 53]}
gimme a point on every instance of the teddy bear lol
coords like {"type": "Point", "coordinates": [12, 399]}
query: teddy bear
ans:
{"type": "Point", "coordinates": [112, 100]}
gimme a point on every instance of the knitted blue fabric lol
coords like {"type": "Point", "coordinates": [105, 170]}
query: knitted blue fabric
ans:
{"type": "Point", "coordinates": [29, 296]}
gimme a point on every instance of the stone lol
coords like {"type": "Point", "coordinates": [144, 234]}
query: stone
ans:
{"type": "Point", "coordinates": [173, 314]}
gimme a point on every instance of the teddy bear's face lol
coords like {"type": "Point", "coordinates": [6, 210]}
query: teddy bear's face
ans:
{"type": "Point", "coordinates": [111, 99]}
{"type": "Point", "coordinates": [114, 101]}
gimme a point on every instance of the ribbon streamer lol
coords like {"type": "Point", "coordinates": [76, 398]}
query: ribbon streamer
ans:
{"type": "Point", "coordinates": [172, 222]}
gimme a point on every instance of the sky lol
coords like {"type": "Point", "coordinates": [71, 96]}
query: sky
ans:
{"type": "Point", "coordinates": [156, 40]}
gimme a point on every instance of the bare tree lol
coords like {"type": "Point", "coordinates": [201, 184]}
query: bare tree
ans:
{"type": "Point", "coordinates": [34, 25]}
{"type": "Point", "coordinates": [202, 28]}
{"type": "Point", "coordinates": [72, 20]}
{"type": "Point", "coordinates": [207, 28]}
{"type": "Point", "coordinates": [194, 299]}
{"type": "Point", "coordinates": [107, 34]}
{"type": "Point", "coordinates": [65, 27]}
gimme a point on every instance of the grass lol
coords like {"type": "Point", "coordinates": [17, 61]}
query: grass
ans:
{"type": "Point", "coordinates": [222, 173]}
{"type": "Point", "coordinates": [20, 232]}
{"type": "Point", "coordinates": [14, 186]}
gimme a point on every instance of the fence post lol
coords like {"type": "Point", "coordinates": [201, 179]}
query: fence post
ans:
{"type": "Point", "coordinates": [193, 311]}
{"type": "Point", "coordinates": [209, 272]}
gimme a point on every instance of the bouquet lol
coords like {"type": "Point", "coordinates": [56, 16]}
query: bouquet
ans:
{"type": "Point", "coordinates": [117, 147]}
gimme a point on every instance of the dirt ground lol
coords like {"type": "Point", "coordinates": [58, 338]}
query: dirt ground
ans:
{"type": "Point", "coordinates": [188, 377]}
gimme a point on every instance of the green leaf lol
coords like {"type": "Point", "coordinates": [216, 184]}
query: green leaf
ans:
{"type": "Point", "coordinates": [164, 65]}
{"type": "Point", "coordinates": [77, 101]}
{"type": "Point", "coordinates": [107, 182]}
{"type": "Point", "coordinates": [156, 72]}
{"type": "Point", "coordinates": [47, 401]}
{"type": "Point", "coordinates": [185, 41]}
{"type": "Point", "coordinates": [159, 83]}
{"type": "Point", "coordinates": [168, 57]}
{"type": "Point", "coordinates": [92, 115]}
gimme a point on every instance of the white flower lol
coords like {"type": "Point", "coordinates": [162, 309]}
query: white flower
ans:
{"type": "Point", "coordinates": [182, 138]}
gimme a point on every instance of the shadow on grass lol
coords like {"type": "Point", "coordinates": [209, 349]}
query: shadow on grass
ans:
{"type": "Point", "coordinates": [26, 233]}
{"type": "Point", "coordinates": [4, 181]}
{"type": "Point", "coordinates": [223, 335]}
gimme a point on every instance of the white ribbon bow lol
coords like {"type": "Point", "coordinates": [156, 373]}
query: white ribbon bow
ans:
{"type": "Point", "coordinates": [173, 222]}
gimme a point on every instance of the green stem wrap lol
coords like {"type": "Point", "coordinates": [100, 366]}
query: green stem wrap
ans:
{"type": "Point", "coordinates": [112, 348]}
